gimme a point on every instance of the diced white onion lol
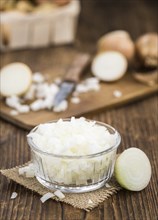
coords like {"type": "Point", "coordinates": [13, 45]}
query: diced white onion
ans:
{"type": "Point", "coordinates": [75, 100]}
{"type": "Point", "coordinates": [30, 173]}
{"type": "Point", "coordinates": [59, 194]}
{"type": "Point", "coordinates": [109, 66]}
{"type": "Point", "coordinates": [46, 196]}
{"type": "Point", "coordinates": [61, 107]}
{"type": "Point", "coordinates": [57, 80]}
{"type": "Point", "coordinates": [88, 138]}
{"type": "Point", "coordinates": [107, 185]}
{"type": "Point", "coordinates": [38, 77]}
{"type": "Point", "coordinates": [13, 101]}
{"type": "Point", "coordinates": [89, 84]}
{"type": "Point", "coordinates": [13, 195]}
{"type": "Point", "coordinates": [27, 171]}
{"type": "Point", "coordinates": [42, 95]}
{"type": "Point", "coordinates": [117, 93]}
{"type": "Point", "coordinates": [37, 105]}
{"type": "Point", "coordinates": [23, 108]}
{"type": "Point", "coordinates": [21, 171]}
{"type": "Point", "coordinates": [30, 93]}
{"type": "Point", "coordinates": [14, 112]}
{"type": "Point", "coordinates": [90, 201]}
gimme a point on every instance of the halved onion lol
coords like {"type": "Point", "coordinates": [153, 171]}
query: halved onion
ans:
{"type": "Point", "coordinates": [109, 66]}
{"type": "Point", "coordinates": [133, 169]}
{"type": "Point", "coordinates": [15, 79]}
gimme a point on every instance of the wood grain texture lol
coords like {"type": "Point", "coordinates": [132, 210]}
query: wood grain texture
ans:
{"type": "Point", "coordinates": [137, 122]}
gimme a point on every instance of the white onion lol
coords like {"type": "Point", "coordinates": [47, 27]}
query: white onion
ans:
{"type": "Point", "coordinates": [30, 173]}
{"type": "Point", "coordinates": [90, 201]}
{"type": "Point", "coordinates": [27, 171]}
{"type": "Point", "coordinates": [30, 93]}
{"type": "Point", "coordinates": [59, 194]}
{"type": "Point", "coordinates": [107, 185]}
{"type": "Point", "coordinates": [13, 195]}
{"type": "Point", "coordinates": [75, 100]}
{"type": "Point", "coordinates": [89, 84]}
{"type": "Point", "coordinates": [109, 66]}
{"type": "Point", "coordinates": [133, 169]}
{"type": "Point", "coordinates": [15, 79]}
{"type": "Point", "coordinates": [63, 105]}
{"type": "Point", "coordinates": [14, 112]}
{"type": "Point", "coordinates": [38, 77]}
{"type": "Point", "coordinates": [23, 108]}
{"type": "Point", "coordinates": [46, 196]}
{"type": "Point", "coordinates": [73, 138]}
{"type": "Point", "coordinates": [21, 171]}
{"type": "Point", "coordinates": [87, 138]}
{"type": "Point", "coordinates": [15, 102]}
{"type": "Point", "coordinates": [117, 93]}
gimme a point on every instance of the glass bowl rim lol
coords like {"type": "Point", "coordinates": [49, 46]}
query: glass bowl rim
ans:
{"type": "Point", "coordinates": [115, 146]}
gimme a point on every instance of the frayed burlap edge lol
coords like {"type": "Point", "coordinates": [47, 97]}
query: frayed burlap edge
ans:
{"type": "Point", "coordinates": [85, 201]}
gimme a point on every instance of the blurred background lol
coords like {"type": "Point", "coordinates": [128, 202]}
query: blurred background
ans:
{"type": "Point", "coordinates": [102, 16]}
{"type": "Point", "coordinates": [94, 18]}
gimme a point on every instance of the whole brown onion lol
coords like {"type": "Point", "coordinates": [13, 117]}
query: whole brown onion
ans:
{"type": "Point", "coordinates": [147, 50]}
{"type": "Point", "coordinates": [117, 41]}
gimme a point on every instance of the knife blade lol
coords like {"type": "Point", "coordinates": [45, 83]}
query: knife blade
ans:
{"type": "Point", "coordinates": [72, 77]}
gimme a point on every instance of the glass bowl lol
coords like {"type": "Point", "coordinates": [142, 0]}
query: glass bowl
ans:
{"type": "Point", "coordinates": [74, 174]}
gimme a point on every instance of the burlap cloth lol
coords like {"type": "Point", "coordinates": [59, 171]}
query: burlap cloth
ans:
{"type": "Point", "coordinates": [85, 201]}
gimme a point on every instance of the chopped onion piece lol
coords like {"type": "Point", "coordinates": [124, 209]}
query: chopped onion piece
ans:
{"type": "Point", "coordinates": [37, 105]}
{"type": "Point", "coordinates": [38, 77]}
{"type": "Point", "coordinates": [61, 107]}
{"type": "Point", "coordinates": [75, 100]}
{"type": "Point", "coordinates": [90, 201]}
{"type": "Point", "coordinates": [46, 196]}
{"type": "Point", "coordinates": [21, 171]}
{"type": "Point", "coordinates": [13, 101]}
{"type": "Point", "coordinates": [27, 171]}
{"type": "Point", "coordinates": [14, 112]}
{"type": "Point", "coordinates": [23, 108]}
{"type": "Point", "coordinates": [59, 194]}
{"type": "Point", "coordinates": [13, 195]}
{"type": "Point", "coordinates": [133, 169]}
{"type": "Point", "coordinates": [107, 185]}
{"type": "Point", "coordinates": [117, 93]}
{"type": "Point", "coordinates": [30, 173]}
{"type": "Point", "coordinates": [57, 80]}
{"type": "Point", "coordinates": [75, 94]}
{"type": "Point", "coordinates": [30, 93]}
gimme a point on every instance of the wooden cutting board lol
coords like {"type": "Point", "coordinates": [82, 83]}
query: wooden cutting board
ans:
{"type": "Point", "coordinates": [91, 101]}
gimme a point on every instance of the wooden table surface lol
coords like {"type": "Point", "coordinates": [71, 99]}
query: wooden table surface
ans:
{"type": "Point", "coordinates": [137, 122]}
